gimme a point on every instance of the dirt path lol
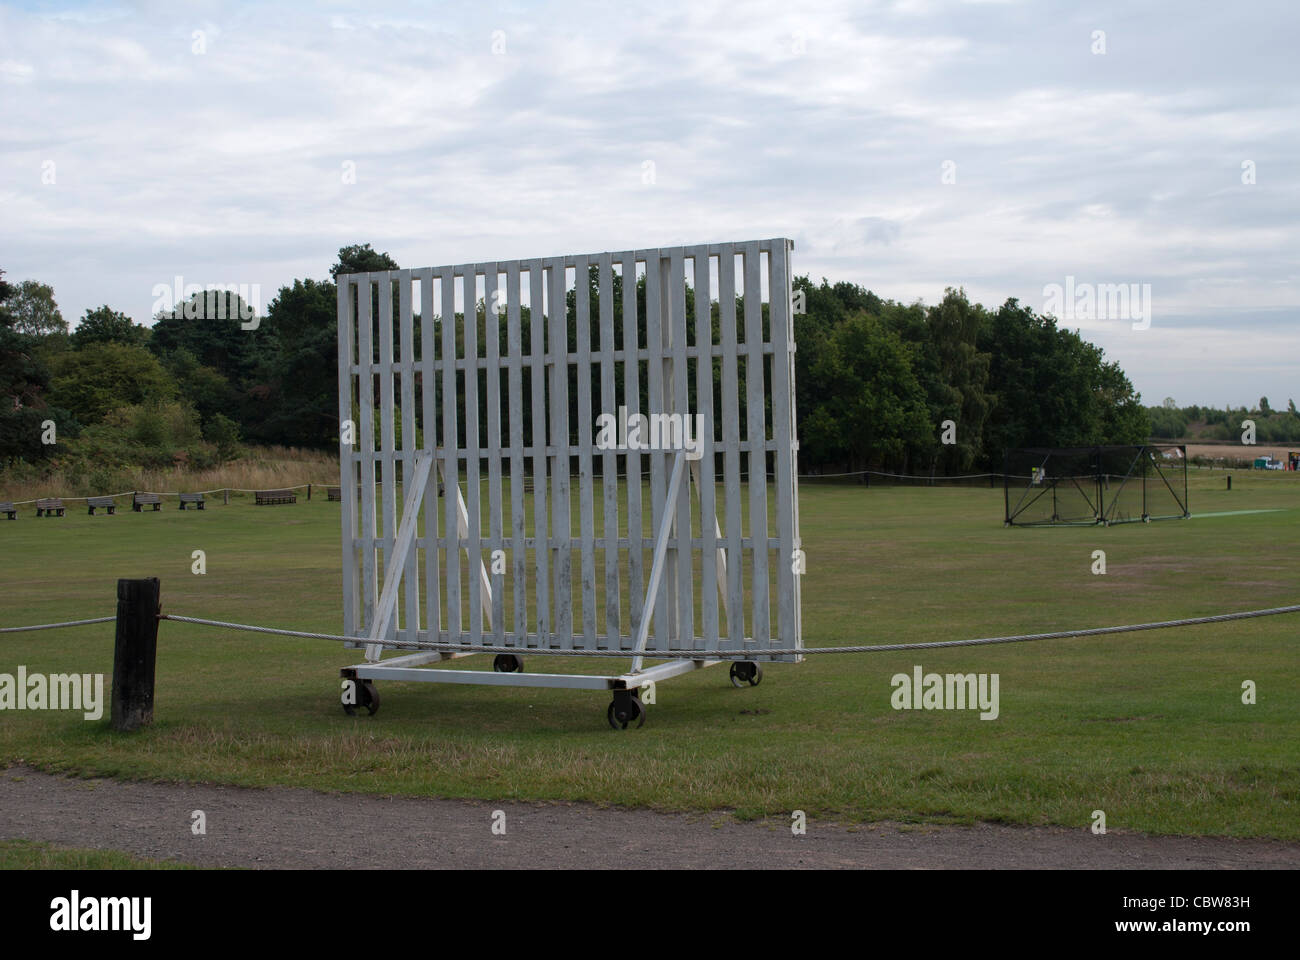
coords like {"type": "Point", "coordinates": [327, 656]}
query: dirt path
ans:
{"type": "Point", "coordinates": [284, 827]}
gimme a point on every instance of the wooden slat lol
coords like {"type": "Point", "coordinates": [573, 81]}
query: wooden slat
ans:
{"type": "Point", "coordinates": [655, 334]}
{"type": "Point", "coordinates": [428, 399]}
{"type": "Point", "coordinates": [586, 507]}
{"type": "Point", "coordinates": [450, 463]}
{"type": "Point", "coordinates": [388, 441]}
{"type": "Point", "coordinates": [632, 400]}
{"type": "Point", "coordinates": [514, 352]}
{"type": "Point", "coordinates": [561, 529]}
{"type": "Point", "coordinates": [541, 553]}
{"type": "Point", "coordinates": [347, 462]}
{"type": "Point", "coordinates": [366, 431]}
{"type": "Point", "coordinates": [473, 492]}
{"type": "Point", "coordinates": [492, 350]}
{"type": "Point", "coordinates": [757, 445]}
{"type": "Point", "coordinates": [682, 555]}
{"type": "Point", "coordinates": [781, 320]}
{"type": "Point", "coordinates": [410, 623]}
{"type": "Point", "coordinates": [708, 629]}
{"type": "Point", "coordinates": [609, 459]}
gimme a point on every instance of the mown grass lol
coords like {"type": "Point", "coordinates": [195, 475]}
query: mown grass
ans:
{"type": "Point", "coordinates": [1148, 727]}
{"type": "Point", "coordinates": [29, 855]}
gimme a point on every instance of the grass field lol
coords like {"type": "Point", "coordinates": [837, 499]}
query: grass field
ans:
{"type": "Point", "coordinates": [1148, 727]}
{"type": "Point", "coordinates": [24, 855]}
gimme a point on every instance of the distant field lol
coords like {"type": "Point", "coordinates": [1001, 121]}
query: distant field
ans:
{"type": "Point", "coordinates": [1236, 451]}
{"type": "Point", "coordinates": [1148, 727]}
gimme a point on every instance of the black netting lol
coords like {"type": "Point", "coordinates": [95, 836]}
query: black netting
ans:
{"type": "Point", "coordinates": [1085, 485]}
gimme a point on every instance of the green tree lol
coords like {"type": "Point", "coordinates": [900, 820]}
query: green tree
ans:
{"type": "Point", "coordinates": [106, 325]}
{"type": "Point", "coordinates": [34, 311]}
{"type": "Point", "coordinates": [93, 382]}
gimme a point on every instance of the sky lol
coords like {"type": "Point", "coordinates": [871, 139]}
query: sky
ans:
{"type": "Point", "coordinates": [1014, 149]}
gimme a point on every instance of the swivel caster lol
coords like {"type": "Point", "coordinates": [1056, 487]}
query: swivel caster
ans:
{"type": "Point", "coordinates": [746, 672]}
{"type": "Point", "coordinates": [625, 708]}
{"type": "Point", "coordinates": [508, 663]}
{"type": "Point", "coordinates": [367, 696]}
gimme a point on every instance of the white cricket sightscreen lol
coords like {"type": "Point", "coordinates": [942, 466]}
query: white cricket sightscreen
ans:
{"type": "Point", "coordinates": [491, 383]}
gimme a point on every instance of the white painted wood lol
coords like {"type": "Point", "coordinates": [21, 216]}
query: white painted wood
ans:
{"type": "Point", "coordinates": [586, 508]}
{"type": "Point", "coordinates": [514, 351]}
{"type": "Point", "coordinates": [696, 538]}
{"type": "Point", "coordinates": [492, 352]}
{"type": "Point", "coordinates": [561, 530]}
{"type": "Point", "coordinates": [347, 457]}
{"type": "Point", "coordinates": [633, 463]}
{"type": "Point", "coordinates": [540, 374]}
{"type": "Point", "coordinates": [609, 458]}
{"type": "Point", "coordinates": [756, 428]}
{"type": "Point", "coordinates": [386, 612]}
{"type": "Point", "coordinates": [430, 506]}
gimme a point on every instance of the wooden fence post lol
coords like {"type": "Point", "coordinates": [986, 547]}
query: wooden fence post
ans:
{"type": "Point", "coordinates": [134, 652]}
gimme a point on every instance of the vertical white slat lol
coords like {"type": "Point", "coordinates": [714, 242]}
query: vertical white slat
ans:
{"type": "Point", "coordinates": [473, 492]}
{"type": "Point", "coordinates": [586, 507]}
{"type": "Point", "coordinates": [632, 400]}
{"type": "Point", "coordinates": [492, 333]}
{"type": "Point", "coordinates": [410, 562]}
{"type": "Point", "coordinates": [388, 441]}
{"type": "Point", "coordinates": [541, 549]}
{"type": "Point", "coordinates": [366, 429]}
{"type": "Point", "coordinates": [704, 480]}
{"type": "Point", "coordinates": [515, 378]}
{"type": "Point", "coordinates": [781, 318]}
{"type": "Point", "coordinates": [561, 527]}
{"type": "Point", "coordinates": [655, 335]}
{"type": "Point", "coordinates": [681, 386]}
{"type": "Point", "coordinates": [757, 442]}
{"type": "Point", "coordinates": [730, 401]}
{"type": "Point", "coordinates": [450, 459]}
{"type": "Point", "coordinates": [347, 456]}
{"type": "Point", "coordinates": [428, 399]}
{"type": "Point", "coordinates": [609, 459]}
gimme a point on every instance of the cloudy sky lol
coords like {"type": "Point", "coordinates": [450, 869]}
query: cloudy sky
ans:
{"type": "Point", "coordinates": [906, 146]}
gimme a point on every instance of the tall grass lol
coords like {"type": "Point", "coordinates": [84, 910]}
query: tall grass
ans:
{"type": "Point", "coordinates": [261, 468]}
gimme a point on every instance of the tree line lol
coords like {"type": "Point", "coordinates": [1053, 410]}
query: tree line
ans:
{"type": "Point", "coordinates": [880, 384]}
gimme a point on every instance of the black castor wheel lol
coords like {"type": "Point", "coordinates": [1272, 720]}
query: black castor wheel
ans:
{"type": "Point", "coordinates": [625, 709]}
{"type": "Point", "coordinates": [367, 696]}
{"type": "Point", "coordinates": [746, 672]}
{"type": "Point", "coordinates": [508, 663]}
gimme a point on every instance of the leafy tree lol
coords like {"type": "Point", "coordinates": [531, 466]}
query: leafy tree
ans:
{"type": "Point", "coordinates": [106, 325]}
{"type": "Point", "coordinates": [93, 382]}
{"type": "Point", "coordinates": [34, 311]}
{"type": "Point", "coordinates": [360, 258]}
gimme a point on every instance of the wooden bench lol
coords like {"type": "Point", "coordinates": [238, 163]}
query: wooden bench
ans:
{"type": "Point", "coordinates": [143, 499]}
{"type": "Point", "coordinates": [335, 494]}
{"type": "Point", "coordinates": [105, 503]}
{"type": "Point", "coordinates": [194, 498]}
{"type": "Point", "coordinates": [49, 507]}
{"type": "Point", "coordinates": [272, 497]}
{"type": "Point", "coordinates": [9, 510]}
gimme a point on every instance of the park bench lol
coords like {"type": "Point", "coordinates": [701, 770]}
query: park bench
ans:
{"type": "Point", "coordinates": [49, 507]}
{"type": "Point", "coordinates": [105, 503]}
{"type": "Point", "coordinates": [335, 494]}
{"type": "Point", "coordinates": [9, 510]}
{"type": "Point", "coordinates": [194, 498]}
{"type": "Point", "coordinates": [271, 497]}
{"type": "Point", "coordinates": [142, 499]}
